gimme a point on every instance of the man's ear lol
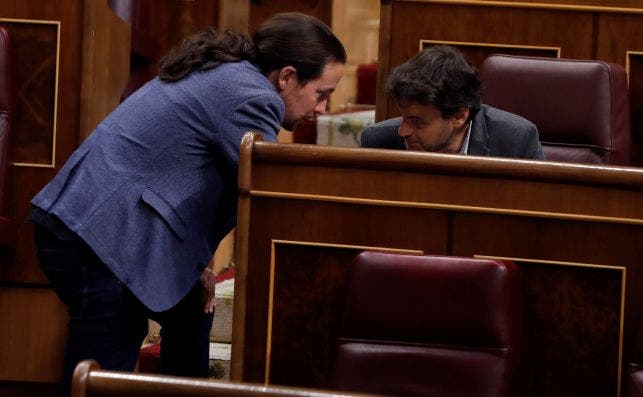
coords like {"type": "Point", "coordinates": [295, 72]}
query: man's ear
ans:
{"type": "Point", "coordinates": [460, 117]}
{"type": "Point", "coordinates": [287, 75]}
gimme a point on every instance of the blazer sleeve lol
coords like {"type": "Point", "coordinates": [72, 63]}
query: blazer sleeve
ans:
{"type": "Point", "coordinates": [533, 148]}
{"type": "Point", "coordinates": [383, 135]}
{"type": "Point", "coordinates": [261, 113]}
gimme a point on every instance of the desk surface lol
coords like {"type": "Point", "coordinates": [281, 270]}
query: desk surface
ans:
{"type": "Point", "coordinates": [343, 129]}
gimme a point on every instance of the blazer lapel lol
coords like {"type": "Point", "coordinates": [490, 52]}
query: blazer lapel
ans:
{"type": "Point", "coordinates": [479, 135]}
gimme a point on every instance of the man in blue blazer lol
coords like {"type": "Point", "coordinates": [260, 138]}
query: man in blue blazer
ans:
{"type": "Point", "coordinates": [438, 95]}
{"type": "Point", "coordinates": [126, 228]}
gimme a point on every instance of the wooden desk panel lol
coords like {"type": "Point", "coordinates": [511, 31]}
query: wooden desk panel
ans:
{"type": "Point", "coordinates": [575, 232]}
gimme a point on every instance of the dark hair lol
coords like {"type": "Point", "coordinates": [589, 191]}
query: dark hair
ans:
{"type": "Point", "coordinates": [286, 39]}
{"type": "Point", "coordinates": [205, 50]}
{"type": "Point", "coordinates": [438, 75]}
{"type": "Point", "coordinates": [297, 40]}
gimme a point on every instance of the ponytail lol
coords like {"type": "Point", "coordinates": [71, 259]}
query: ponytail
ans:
{"type": "Point", "coordinates": [285, 39]}
{"type": "Point", "coordinates": [205, 50]}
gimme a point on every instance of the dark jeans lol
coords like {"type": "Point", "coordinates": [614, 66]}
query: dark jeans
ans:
{"type": "Point", "coordinates": [108, 323]}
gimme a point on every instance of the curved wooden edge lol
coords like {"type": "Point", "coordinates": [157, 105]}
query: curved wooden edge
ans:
{"type": "Point", "coordinates": [81, 377]}
{"type": "Point", "coordinates": [541, 5]}
{"type": "Point", "coordinates": [401, 160]}
{"type": "Point", "coordinates": [115, 383]}
{"type": "Point", "coordinates": [245, 160]}
{"type": "Point", "coordinates": [241, 253]}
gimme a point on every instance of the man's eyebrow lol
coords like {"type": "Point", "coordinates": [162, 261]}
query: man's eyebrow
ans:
{"type": "Point", "coordinates": [325, 90]}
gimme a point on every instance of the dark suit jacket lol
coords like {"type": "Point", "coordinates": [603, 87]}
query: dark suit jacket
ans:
{"type": "Point", "coordinates": [494, 133]}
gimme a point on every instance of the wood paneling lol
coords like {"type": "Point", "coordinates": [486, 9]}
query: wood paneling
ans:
{"type": "Point", "coordinates": [635, 73]}
{"type": "Point", "coordinates": [477, 52]}
{"type": "Point", "coordinates": [26, 181]}
{"type": "Point", "coordinates": [32, 320]}
{"type": "Point", "coordinates": [92, 48]}
{"type": "Point", "coordinates": [157, 26]}
{"type": "Point", "coordinates": [32, 331]}
{"type": "Point", "coordinates": [573, 4]}
{"type": "Point", "coordinates": [260, 10]}
{"type": "Point", "coordinates": [105, 64]}
{"type": "Point", "coordinates": [574, 231]}
{"type": "Point", "coordinates": [582, 29]}
{"type": "Point", "coordinates": [35, 45]}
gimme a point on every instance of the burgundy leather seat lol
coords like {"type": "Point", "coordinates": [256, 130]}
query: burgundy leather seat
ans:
{"type": "Point", "coordinates": [581, 107]}
{"type": "Point", "coordinates": [430, 326]}
{"type": "Point", "coordinates": [7, 227]}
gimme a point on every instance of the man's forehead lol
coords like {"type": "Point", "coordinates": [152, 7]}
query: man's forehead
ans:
{"type": "Point", "coordinates": [416, 108]}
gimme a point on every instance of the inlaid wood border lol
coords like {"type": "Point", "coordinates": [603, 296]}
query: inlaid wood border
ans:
{"type": "Point", "coordinates": [541, 6]}
{"type": "Point", "coordinates": [628, 56]}
{"type": "Point", "coordinates": [52, 164]}
{"type": "Point", "coordinates": [423, 43]}
{"type": "Point", "coordinates": [623, 271]}
{"type": "Point", "coordinates": [451, 207]}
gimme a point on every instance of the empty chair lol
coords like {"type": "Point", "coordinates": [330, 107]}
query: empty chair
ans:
{"type": "Point", "coordinates": [581, 107]}
{"type": "Point", "coordinates": [90, 381]}
{"type": "Point", "coordinates": [430, 326]}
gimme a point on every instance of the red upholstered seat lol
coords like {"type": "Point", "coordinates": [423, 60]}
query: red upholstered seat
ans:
{"type": "Point", "coordinates": [581, 107]}
{"type": "Point", "coordinates": [7, 226]}
{"type": "Point", "coordinates": [430, 326]}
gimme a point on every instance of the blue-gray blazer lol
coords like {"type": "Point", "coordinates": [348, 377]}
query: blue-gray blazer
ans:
{"type": "Point", "coordinates": [494, 133]}
{"type": "Point", "coordinates": [152, 190]}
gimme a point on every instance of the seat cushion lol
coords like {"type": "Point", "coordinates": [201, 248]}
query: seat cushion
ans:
{"type": "Point", "coordinates": [407, 370]}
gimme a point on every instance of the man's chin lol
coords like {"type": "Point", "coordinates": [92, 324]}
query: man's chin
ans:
{"type": "Point", "coordinates": [414, 147]}
{"type": "Point", "coordinates": [292, 125]}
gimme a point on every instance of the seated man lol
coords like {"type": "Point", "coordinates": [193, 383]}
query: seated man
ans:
{"type": "Point", "coordinates": [438, 94]}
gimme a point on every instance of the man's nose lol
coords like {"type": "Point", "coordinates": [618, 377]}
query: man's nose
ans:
{"type": "Point", "coordinates": [321, 107]}
{"type": "Point", "coordinates": [404, 130]}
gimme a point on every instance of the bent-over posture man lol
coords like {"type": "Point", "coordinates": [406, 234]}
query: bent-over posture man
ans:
{"type": "Point", "coordinates": [126, 228]}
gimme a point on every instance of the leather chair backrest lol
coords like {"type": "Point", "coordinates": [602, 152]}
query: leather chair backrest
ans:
{"type": "Point", "coordinates": [581, 107]}
{"type": "Point", "coordinates": [6, 110]}
{"type": "Point", "coordinates": [430, 325]}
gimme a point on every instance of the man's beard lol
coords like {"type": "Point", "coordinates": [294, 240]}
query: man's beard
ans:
{"type": "Point", "coordinates": [290, 125]}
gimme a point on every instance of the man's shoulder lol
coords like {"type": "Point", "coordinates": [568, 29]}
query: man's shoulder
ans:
{"type": "Point", "coordinates": [383, 135]}
{"type": "Point", "coordinates": [390, 123]}
{"type": "Point", "coordinates": [505, 134]}
{"type": "Point", "coordinates": [236, 78]}
{"type": "Point", "coordinates": [504, 121]}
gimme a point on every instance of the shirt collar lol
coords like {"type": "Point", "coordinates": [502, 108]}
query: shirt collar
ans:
{"type": "Point", "coordinates": [465, 145]}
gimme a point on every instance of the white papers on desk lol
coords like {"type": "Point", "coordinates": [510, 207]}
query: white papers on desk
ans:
{"type": "Point", "coordinates": [343, 129]}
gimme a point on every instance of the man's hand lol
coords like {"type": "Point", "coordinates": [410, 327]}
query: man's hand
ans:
{"type": "Point", "coordinates": [208, 283]}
